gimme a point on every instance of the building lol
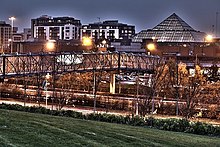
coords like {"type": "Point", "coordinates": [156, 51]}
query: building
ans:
{"type": "Point", "coordinates": [172, 29]}
{"type": "Point", "coordinates": [57, 28]}
{"type": "Point", "coordinates": [37, 46]}
{"type": "Point", "coordinates": [174, 36]}
{"type": "Point", "coordinates": [126, 45]}
{"type": "Point", "coordinates": [5, 36]}
{"type": "Point", "coordinates": [27, 34]}
{"type": "Point", "coordinates": [110, 30]}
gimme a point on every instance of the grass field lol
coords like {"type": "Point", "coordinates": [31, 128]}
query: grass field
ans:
{"type": "Point", "coordinates": [27, 129]}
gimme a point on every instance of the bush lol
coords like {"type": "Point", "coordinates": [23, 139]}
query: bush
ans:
{"type": "Point", "coordinates": [178, 125]}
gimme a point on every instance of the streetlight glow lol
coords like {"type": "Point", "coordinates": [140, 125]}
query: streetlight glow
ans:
{"type": "Point", "coordinates": [50, 45]}
{"type": "Point", "coordinates": [151, 46]}
{"type": "Point", "coordinates": [209, 38]}
{"type": "Point", "coordinates": [104, 42]}
{"type": "Point", "coordinates": [12, 18]}
{"type": "Point", "coordinates": [86, 41]}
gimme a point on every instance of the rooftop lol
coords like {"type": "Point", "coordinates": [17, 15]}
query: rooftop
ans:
{"type": "Point", "coordinates": [172, 29]}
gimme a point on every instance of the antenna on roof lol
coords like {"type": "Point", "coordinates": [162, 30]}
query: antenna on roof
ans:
{"type": "Point", "coordinates": [99, 19]}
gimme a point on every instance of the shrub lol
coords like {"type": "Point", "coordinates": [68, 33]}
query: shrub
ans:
{"type": "Point", "coordinates": [137, 121]}
{"type": "Point", "coordinates": [179, 125]}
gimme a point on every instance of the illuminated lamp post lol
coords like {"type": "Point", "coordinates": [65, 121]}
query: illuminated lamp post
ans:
{"type": "Point", "coordinates": [150, 48]}
{"type": "Point", "coordinates": [177, 86]}
{"type": "Point", "coordinates": [12, 25]}
{"type": "Point", "coordinates": [50, 46]}
{"type": "Point", "coordinates": [103, 45]}
{"type": "Point", "coordinates": [104, 42]}
{"type": "Point", "coordinates": [45, 84]}
{"type": "Point", "coordinates": [87, 42]}
{"type": "Point", "coordinates": [209, 38]}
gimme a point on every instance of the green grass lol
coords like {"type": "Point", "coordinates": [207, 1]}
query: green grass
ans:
{"type": "Point", "coordinates": [27, 129]}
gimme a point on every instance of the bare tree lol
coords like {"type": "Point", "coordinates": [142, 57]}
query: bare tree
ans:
{"type": "Point", "coordinates": [210, 99]}
{"type": "Point", "coordinates": [154, 86]}
{"type": "Point", "coordinates": [191, 90]}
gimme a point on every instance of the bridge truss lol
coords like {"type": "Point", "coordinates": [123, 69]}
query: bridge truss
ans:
{"type": "Point", "coordinates": [58, 63]}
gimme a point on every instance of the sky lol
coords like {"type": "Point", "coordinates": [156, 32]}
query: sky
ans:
{"type": "Point", "coordinates": [144, 14]}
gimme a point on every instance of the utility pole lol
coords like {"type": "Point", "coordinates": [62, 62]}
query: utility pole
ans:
{"type": "Point", "coordinates": [12, 31]}
{"type": "Point", "coordinates": [94, 90]}
{"type": "Point", "coordinates": [137, 93]}
{"type": "Point", "coordinates": [177, 86]}
{"type": "Point", "coordinates": [177, 91]}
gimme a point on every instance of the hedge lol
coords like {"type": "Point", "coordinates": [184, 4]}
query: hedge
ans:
{"type": "Point", "coordinates": [178, 125]}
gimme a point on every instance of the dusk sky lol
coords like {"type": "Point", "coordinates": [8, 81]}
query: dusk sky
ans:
{"type": "Point", "coordinates": [144, 14]}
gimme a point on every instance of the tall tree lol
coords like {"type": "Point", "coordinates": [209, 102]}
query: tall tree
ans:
{"type": "Point", "coordinates": [147, 104]}
{"type": "Point", "coordinates": [191, 86]}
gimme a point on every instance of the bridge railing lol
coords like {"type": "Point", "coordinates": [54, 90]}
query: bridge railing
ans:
{"type": "Point", "coordinates": [29, 64]}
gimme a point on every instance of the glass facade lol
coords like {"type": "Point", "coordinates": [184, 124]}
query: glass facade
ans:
{"type": "Point", "coordinates": [172, 29]}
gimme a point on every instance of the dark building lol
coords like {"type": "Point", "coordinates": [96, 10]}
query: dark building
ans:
{"type": "Point", "coordinates": [5, 36]}
{"type": "Point", "coordinates": [41, 46]}
{"type": "Point", "coordinates": [110, 30]}
{"type": "Point", "coordinates": [27, 34]}
{"type": "Point", "coordinates": [57, 28]}
{"type": "Point", "coordinates": [126, 45]}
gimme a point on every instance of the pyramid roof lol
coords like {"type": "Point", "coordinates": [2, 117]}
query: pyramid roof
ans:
{"type": "Point", "coordinates": [173, 22]}
{"type": "Point", "coordinates": [172, 29]}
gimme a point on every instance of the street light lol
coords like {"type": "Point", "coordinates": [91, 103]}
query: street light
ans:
{"type": "Point", "coordinates": [104, 42]}
{"type": "Point", "coordinates": [177, 86]}
{"type": "Point", "coordinates": [209, 38]}
{"type": "Point", "coordinates": [86, 41]}
{"type": "Point", "coordinates": [12, 25]}
{"type": "Point", "coordinates": [51, 45]}
{"type": "Point", "coordinates": [137, 90]}
{"type": "Point", "coordinates": [150, 47]}
{"type": "Point", "coordinates": [94, 91]}
{"type": "Point", "coordinates": [196, 62]}
{"type": "Point", "coordinates": [45, 84]}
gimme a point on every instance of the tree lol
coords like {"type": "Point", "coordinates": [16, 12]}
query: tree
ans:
{"type": "Point", "coordinates": [213, 73]}
{"type": "Point", "coordinates": [191, 90]}
{"type": "Point", "coordinates": [210, 99]}
{"type": "Point", "coordinates": [153, 87]}
{"type": "Point", "coordinates": [66, 82]}
{"type": "Point", "coordinates": [172, 79]}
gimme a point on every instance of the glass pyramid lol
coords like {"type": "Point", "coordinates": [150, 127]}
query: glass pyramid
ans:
{"type": "Point", "coordinates": [172, 29]}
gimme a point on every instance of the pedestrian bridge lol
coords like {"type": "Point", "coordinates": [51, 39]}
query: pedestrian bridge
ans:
{"type": "Point", "coordinates": [12, 65]}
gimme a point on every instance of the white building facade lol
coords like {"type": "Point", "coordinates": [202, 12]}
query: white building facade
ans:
{"type": "Point", "coordinates": [66, 32]}
{"type": "Point", "coordinates": [59, 28]}
{"type": "Point", "coordinates": [110, 30]}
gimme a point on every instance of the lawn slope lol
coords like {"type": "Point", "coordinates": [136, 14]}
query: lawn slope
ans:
{"type": "Point", "coordinates": [26, 129]}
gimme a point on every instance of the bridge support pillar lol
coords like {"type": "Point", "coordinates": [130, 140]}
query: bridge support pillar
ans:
{"type": "Point", "coordinates": [112, 83]}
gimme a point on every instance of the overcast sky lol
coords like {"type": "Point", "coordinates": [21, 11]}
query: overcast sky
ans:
{"type": "Point", "coordinates": [144, 14]}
